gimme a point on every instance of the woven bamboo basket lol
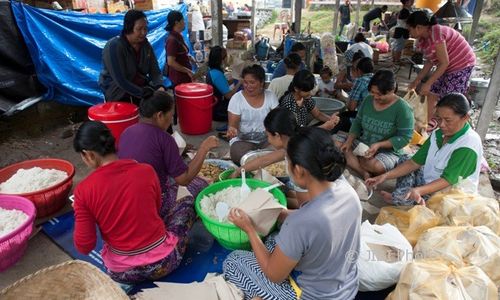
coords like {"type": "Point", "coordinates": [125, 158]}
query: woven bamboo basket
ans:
{"type": "Point", "coordinates": [74, 279]}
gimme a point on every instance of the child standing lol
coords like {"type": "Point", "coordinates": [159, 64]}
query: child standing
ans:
{"type": "Point", "coordinates": [326, 85]}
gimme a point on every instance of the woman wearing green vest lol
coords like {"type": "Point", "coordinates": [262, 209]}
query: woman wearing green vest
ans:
{"type": "Point", "coordinates": [452, 152]}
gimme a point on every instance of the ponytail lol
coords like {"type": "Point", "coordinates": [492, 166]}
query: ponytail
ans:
{"type": "Point", "coordinates": [94, 136]}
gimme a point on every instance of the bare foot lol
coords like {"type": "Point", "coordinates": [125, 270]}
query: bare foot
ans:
{"type": "Point", "coordinates": [387, 197]}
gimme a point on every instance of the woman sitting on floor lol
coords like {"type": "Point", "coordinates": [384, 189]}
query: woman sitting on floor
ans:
{"type": "Point", "coordinates": [148, 142]}
{"type": "Point", "coordinates": [384, 123]}
{"type": "Point", "coordinates": [452, 152]}
{"type": "Point", "coordinates": [298, 100]}
{"type": "Point", "coordinates": [307, 258]}
{"type": "Point", "coordinates": [123, 198]}
{"type": "Point", "coordinates": [247, 110]}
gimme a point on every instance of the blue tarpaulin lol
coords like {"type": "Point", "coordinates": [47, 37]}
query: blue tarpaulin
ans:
{"type": "Point", "coordinates": [66, 47]}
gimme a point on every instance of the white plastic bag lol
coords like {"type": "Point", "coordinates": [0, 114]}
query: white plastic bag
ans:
{"type": "Point", "coordinates": [384, 253]}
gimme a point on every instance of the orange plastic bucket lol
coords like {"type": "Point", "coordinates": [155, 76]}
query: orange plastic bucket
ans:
{"type": "Point", "coordinates": [194, 107]}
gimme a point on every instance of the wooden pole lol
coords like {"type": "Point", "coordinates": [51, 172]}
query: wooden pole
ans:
{"type": "Point", "coordinates": [216, 10]}
{"type": "Point", "coordinates": [298, 15]}
{"type": "Point", "coordinates": [490, 102]}
{"type": "Point", "coordinates": [253, 24]}
{"type": "Point", "coordinates": [475, 20]}
{"type": "Point", "coordinates": [358, 9]}
{"type": "Point", "coordinates": [336, 16]}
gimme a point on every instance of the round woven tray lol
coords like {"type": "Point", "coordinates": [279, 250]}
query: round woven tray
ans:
{"type": "Point", "coordinates": [74, 279]}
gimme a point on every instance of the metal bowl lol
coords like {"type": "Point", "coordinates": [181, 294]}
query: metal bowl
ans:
{"type": "Point", "coordinates": [258, 153]}
{"type": "Point", "coordinates": [329, 106]}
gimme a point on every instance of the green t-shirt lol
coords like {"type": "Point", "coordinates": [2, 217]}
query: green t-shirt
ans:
{"type": "Point", "coordinates": [395, 123]}
{"type": "Point", "coordinates": [462, 162]}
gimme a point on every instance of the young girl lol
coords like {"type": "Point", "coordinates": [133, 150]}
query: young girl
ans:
{"type": "Point", "coordinates": [309, 258]}
{"type": "Point", "coordinates": [326, 84]}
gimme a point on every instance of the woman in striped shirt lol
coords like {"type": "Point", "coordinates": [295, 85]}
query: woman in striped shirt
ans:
{"type": "Point", "coordinates": [446, 49]}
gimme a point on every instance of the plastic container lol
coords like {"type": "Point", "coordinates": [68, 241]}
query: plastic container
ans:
{"type": "Point", "coordinates": [478, 89]}
{"type": "Point", "coordinates": [14, 244]}
{"type": "Point", "coordinates": [228, 235]}
{"type": "Point", "coordinates": [225, 175]}
{"type": "Point", "coordinates": [194, 107]}
{"type": "Point", "coordinates": [116, 115]}
{"type": "Point", "coordinates": [51, 199]}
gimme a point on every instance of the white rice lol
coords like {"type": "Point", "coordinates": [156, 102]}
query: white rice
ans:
{"type": "Point", "coordinates": [32, 180]}
{"type": "Point", "coordinates": [230, 195]}
{"type": "Point", "coordinates": [10, 220]}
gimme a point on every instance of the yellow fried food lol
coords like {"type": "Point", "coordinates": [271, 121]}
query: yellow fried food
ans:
{"type": "Point", "coordinates": [210, 171]}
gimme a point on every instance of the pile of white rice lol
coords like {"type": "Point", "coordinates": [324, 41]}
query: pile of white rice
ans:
{"type": "Point", "coordinates": [10, 220]}
{"type": "Point", "coordinates": [32, 180]}
{"type": "Point", "coordinates": [230, 195]}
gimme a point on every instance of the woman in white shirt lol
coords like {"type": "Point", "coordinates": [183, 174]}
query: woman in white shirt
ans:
{"type": "Point", "coordinates": [246, 112]}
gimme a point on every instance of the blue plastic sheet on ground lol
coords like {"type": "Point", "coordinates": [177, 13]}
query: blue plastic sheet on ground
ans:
{"type": "Point", "coordinates": [66, 48]}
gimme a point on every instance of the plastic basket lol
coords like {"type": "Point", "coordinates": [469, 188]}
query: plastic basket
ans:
{"type": "Point", "coordinates": [51, 199]}
{"type": "Point", "coordinates": [228, 235]}
{"type": "Point", "coordinates": [14, 244]}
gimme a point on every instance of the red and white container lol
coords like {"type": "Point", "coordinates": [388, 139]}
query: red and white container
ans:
{"type": "Point", "coordinates": [194, 107]}
{"type": "Point", "coordinates": [116, 115]}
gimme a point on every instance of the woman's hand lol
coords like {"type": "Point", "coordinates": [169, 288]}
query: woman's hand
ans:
{"type": "Point", "coordinates": [239, 218]}
{"type": "Point", "coordinates": [236, 173]}
{"type": "Point", "coordinates": [374, 181]}
{"type": "Point", "coordinates": [346, 147]}
{"type": "Point", "coordinates": [332, 122]}
{"type": "Point", "coordinates": [372, 150]}
{"type": "Point", "coordinates": [414, 194]}
{"type": "Point", "coordinates": [209, 143]}
{"type": "Point", "coordinates": [231, 132]}
{"type": "Point", "coordinates": [425, 89]}
{"type": "Point", "coordinates": [413, 85]}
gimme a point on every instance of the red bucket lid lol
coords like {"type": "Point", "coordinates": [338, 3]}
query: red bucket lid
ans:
{"type": "Point", "coordinates": [113, 111]}
{"type": "Point", "coordinates": [194, 89]}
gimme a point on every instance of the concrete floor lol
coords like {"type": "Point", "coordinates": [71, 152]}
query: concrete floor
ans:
{"type": "Point", "coordinates": [40, 131]}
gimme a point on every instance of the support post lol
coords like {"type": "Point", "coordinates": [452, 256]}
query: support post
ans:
{"type": "Point", "coordinates": [358, 9]}
{"type": "Point", "coordinates": [298, 15]}
{"type": "Point", "coordinates": [253, 23]}
{"type": "Point", "coordinates": [475, 20]}
{"type": "Point", "coordinates": [336, 17]}
{"type": "Point", "coordinates": [490, 102]}
{"type": "Point", "coordinates": [216, 10]}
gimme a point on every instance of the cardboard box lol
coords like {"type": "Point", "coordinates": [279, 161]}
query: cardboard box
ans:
{"type": "Point", "coordinates": [240, 45]}
{"type": "Point", "coordinates": [115, 7]}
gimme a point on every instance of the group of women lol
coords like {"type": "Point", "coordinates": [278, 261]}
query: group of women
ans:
{"type": "Point", "coordinates": [134, 193]}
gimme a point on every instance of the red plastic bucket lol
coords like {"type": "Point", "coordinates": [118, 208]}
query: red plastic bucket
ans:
{"type": "Point", "coordinates": [116, 115]}
{"type": "Point", "coordinates": [194, 107]}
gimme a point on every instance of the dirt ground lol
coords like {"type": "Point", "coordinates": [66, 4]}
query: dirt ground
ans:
{"type": "Point", "coordinates": [46, 131]}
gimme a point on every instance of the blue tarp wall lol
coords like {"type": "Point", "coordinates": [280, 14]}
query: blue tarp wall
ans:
{"type": "Point", "coordinates": [66, 48]}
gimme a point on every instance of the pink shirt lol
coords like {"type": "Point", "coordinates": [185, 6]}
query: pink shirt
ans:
{"type": "Point", "coordinates": [460, 54]}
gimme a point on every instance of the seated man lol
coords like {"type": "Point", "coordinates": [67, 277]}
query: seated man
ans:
{"type": "Point", "coordinates": [298, 48]}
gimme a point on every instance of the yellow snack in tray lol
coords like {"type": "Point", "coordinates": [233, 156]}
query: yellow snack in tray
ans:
{"type": "Point", "coordinates": [277, 169]}
{"type": "Point", "coordinates": [211, 171]}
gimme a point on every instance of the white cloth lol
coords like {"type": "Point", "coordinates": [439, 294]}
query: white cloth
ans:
{"type": "Point", "coordinates": [364, 47]}
{"type": "Point", "coordinates": [251, 119]}
{"type": "Point", "coordinates": [280, 85]}
{"type": "Point", "coordinates": [197, 19]}
{"type": "Point", "coordinates": [322, 86]}
{"type": "Point", "coordinates": [437, 159]}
